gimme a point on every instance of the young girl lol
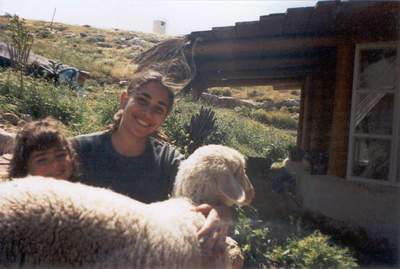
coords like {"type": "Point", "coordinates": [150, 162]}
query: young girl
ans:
{"type": "Point", "coordinates": [42, 149]}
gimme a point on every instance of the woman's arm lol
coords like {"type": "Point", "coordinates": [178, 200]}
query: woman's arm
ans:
{"type": "Point", "coordinates": [215, 229]}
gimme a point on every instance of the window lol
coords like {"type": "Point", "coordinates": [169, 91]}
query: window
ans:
{"type": "Point", "coordinates": [374, 148]}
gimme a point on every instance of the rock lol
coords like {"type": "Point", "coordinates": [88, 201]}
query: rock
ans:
{"type": "Point", "coordinates": [4, 163]}
{"type": "Point", "coordinates": [11, 118]}
{"type": "Point", "coordinates": [291, 105]}
{"type": "Point", "coordinates": [104, 45]}
{"type": "Point", "coordinates": [137, 42]}
{"type": "Point", "coordinates": [83, 34]}
{"type": "Point", "coordinates": [70, 35]}
{"type": "Point", "coordinates": [96, 38]}
{"type": "Point", "coordinates": [6, 142]}
{"type": "Point", "coordinates": [268, 105]}
{"type": "Point", "coordinates": [235, 254]}
{"type": "Point", "coordinates": [26, 117]}
{"type": "Point", "coordinates": [7, 15]}
{"type": "Point", "coordinates": [123, 83]}
{"type": "Point", "coordinates": [225, 101]}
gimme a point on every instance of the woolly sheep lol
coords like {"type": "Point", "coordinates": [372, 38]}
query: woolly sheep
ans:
{"type": "Point", "coordinates": [54, 223]}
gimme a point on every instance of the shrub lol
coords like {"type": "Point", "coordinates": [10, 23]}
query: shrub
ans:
{"type": "Point", "coordinates": [221, 91]}
{"type": "Point", "coordinates": [200, 127]}
{"type": "Point", "coordinates": [41, 99]}
{"type": "Point", "coordinates": [253, 236]}
{"type": "Point", "coordinates": [313, 251]}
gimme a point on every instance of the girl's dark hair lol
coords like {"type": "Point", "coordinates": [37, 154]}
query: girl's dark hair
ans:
{"type": "Point", "coordinates": [137, 81]}
{"type": "Point", "coordinates": [39, 135]}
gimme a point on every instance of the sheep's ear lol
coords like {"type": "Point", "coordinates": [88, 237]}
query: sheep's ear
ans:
{"type": "Point", "coordinates": [231, 189]}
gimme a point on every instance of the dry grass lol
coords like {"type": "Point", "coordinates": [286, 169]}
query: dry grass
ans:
{"type": "Point", "coordinates": [123, 71]}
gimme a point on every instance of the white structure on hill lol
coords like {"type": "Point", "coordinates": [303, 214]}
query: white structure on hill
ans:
{"type": "Point", "coordinates": [159, 27]}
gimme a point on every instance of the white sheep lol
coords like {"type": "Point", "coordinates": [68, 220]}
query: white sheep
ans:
{"type": "Point", "coordinates": [54, 223]}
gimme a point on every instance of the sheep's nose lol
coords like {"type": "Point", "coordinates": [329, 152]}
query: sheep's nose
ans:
{"type": "Point", "coordinates": [249, 191]}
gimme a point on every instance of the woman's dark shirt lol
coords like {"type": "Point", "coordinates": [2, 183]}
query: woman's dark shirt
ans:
{"type": "Point", "coordinates": [147, 178]}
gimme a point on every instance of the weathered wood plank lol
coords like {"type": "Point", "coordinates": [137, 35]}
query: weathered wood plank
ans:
{"type": "Point", "coordinates": [228, 32]}
{"type": "Point", "coordinates": [262, 45]}
{"type": "Point", "coordinates": [263, 63]}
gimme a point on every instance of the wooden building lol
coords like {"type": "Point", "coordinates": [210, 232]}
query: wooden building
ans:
{"type": "Point", "coordinates": [345, 58]}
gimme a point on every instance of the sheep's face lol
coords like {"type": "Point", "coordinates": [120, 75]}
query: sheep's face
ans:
{"type": "Point", "coordinates": [214, 174]}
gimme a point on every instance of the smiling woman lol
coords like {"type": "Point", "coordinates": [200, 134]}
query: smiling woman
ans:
{"type": "Point", "coordinates": [129, 157]}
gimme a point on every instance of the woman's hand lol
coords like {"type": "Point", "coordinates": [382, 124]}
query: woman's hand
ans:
{"type": "Point", "coordinates": [215, 229]}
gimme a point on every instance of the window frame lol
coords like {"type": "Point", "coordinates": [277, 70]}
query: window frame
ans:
{"type": "Point", "coordinates": [394, 138]}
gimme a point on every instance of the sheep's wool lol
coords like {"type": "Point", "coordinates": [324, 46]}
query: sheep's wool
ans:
{"type": "Point", "coordinates": [50, 223]}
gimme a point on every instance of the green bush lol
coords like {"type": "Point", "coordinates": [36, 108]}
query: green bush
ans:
{"type": "Point", "coordinates": [41, 99]}
{"type": "Point", "coordinates": [253, 236]}
{"type": "Point", "coordinates": [313, 251]}
{"type": "Point", "coordinates": [264, 245]}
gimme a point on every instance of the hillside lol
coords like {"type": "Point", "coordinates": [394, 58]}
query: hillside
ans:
{"type": "Point", "coordinates": [107, 54]}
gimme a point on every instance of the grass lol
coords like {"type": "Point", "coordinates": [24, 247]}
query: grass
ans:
{"type": "Point", "coordinates": [246, 135]}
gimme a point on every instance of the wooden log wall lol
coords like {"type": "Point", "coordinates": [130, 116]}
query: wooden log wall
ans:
{"type": "Point", "coordinates": [318, 104]}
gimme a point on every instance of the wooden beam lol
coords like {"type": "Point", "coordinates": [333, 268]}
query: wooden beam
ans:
{"type": "Point", "coordinates": [249, 64]}
{"type": "Point", "coordinates": [256, 74]}
{"type": "Point", "coordinates": [341, 111]}
{"type": "Point", "coordinates": [259, 46]}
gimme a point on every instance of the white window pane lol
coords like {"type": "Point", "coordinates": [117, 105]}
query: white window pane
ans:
{"type": "Point", "coordinates": [377, 69]}
{"type": "Point", "coordinates": [374, 113]}
{"type": "Point", "coordinates": [371, 158]}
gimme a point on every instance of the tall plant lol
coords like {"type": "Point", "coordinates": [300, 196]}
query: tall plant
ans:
{"type": "Point", "coordinates": [200, 127]}
{"type": "Point", "coordinates": [19, 46]}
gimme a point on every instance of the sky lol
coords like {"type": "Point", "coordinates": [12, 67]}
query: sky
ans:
{"type": "Point", "coordinates": [181, 17]}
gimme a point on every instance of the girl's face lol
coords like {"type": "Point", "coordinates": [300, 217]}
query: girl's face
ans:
{"type": "Point", "coordinates": [54, 162]}
{"type": "Point", "coordinates": [145, 110]}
